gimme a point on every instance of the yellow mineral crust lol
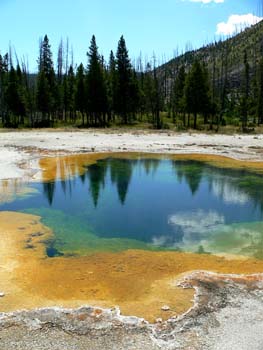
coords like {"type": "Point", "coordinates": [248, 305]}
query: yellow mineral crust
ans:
{"type": "Point", "coordinates": [64, 167]}
{"type": "Point", "coordinates": [139, 282]}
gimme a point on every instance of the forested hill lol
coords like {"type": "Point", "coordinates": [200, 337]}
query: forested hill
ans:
{"type": "Point", "coordinates": [225, 57]}
{"type": "Point", "coordinates": [218, 85]}
{"type": "Point", "coordinates": [233, 69]}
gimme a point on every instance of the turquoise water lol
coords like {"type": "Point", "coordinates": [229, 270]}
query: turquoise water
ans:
{"type": "Point", "coordinates": [155, 204]}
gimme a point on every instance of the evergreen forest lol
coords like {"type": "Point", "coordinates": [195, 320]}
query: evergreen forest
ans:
{"type": "Point", "coordinates": [216, 86]}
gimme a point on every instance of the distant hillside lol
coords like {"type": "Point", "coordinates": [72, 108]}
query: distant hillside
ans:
{"type": "Point", "coordinates": [223, 59]}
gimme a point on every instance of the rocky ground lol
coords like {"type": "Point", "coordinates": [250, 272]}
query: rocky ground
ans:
{"type": "Point", "coordinates": [228, 314]}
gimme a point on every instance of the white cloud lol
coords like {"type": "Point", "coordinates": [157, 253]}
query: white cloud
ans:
{"type": "Point", "coordinates": [190, 228]}
{"type": "Point", "coordinates": [228, 192]}
{"type": "Point", "coordinates": [198, 221]}
{"type": "Point", "coordinates": [236, 23]}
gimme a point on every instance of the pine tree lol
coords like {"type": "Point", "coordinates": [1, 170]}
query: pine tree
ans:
{"type": "Point", "coordinates": [135, 95]}
{"type": "Point", "coordinates": [12, 95]}
{"type": "Point", "coordinates": [46, 83]}
{"type": "Point", "coordinates": [96, 87]}
{"type": "Point", "coordinates": [70, 90]}
{"type": "Point", "coordinates": [45, 61]}
{"type": "Point", "coordinates": [245, 93]}
{"type": "Point", "coordinates": [15, 97]}
{"type": "Point", "coordinates": [224, 81]}
{"type": "Point", "coordinates": [208, 107]}
{"type": "Point", "coordinates": [59, 92]}
{"type": "Point", "coordinates": [156, 101]}
{"type": "Point", "coordinates": [80, 98]}
{"type": "Point", "coordinates": [196, 91]}
{"type": "Point", "coordinates": [178, 93]}
{"type": "Point", "coordinates": [124, 78]}
{"type": "Point", "coordinates": [141, 83]}
{"type": "Point", "coordinates": [43, 96]}
{"type": "Point", "coordinates": [22, 100]}
{"type": "Point", "coordinates": [152, 96]}
{"type": "Point", "coordinates": [112, 86]}
{"type": "Point", "coordinates": [260, 93]}
{"type": "Point", "coordinates": [148, 90]}
{"type": "Point", "coordinates": [29, 93]}
{"type": "Point", "coordinates": [4, 62]}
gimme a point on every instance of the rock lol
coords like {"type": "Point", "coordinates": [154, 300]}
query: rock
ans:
{"type": "Point", "coordinates": [2, 295]}
{"type": "Point", "coordinates": [166, 308]}
{"type": "Point", "coordinates": [159, 320]}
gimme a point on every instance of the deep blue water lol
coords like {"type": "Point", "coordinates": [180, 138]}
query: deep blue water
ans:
{"type": "Point", "coordinates": [151, 204]}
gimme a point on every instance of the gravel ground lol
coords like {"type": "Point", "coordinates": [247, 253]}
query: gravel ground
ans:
{"type": "Point", "coordinates": [240, 326]}
{"type": "Point", "coordinates": [55, 339]}
{"type": "Point", "coordinates": [227, 315]}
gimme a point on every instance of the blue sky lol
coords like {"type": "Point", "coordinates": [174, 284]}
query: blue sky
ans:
{"type": "Point", "coordinates": [147, 25]}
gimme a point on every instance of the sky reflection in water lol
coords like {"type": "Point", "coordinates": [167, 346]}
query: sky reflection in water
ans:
{"type": "Point", "coordinates": [151, 204]}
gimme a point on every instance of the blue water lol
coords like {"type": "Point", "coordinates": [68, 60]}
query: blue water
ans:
{"type": "Point", "coordinates": [151, 204]}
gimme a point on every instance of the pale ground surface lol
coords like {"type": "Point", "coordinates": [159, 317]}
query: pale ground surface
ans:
{"type": "Point", "coordinates": [18, 147]}
{"type": "Point", "coordinates": [225, 318]}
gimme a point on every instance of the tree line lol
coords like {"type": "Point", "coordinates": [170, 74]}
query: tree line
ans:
{"type": "Point", "coordinates": [103, 93]}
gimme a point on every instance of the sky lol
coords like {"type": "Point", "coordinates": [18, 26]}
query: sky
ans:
{"type": "Point", "coordinates": [150, 27]}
